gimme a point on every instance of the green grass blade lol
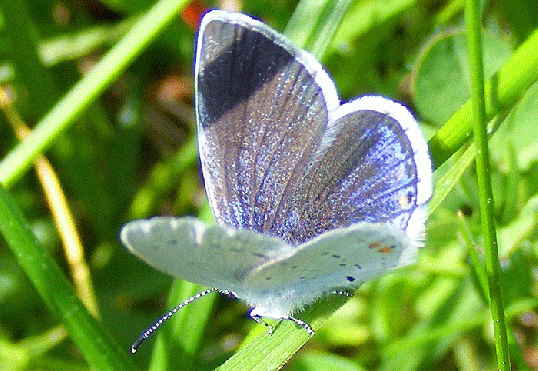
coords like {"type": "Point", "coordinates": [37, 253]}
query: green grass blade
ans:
{"type": "Point", "coordinates": [24, 47]}
{"type": "Point", "coordinates": [162, 178]}
{"type": "Point", "coordinates": [483, 169]}
{"type": "Point", "coordinates": [445, 182]}
{"type": "Point", "coordinates": [316, 36]}
{"type": "Point", "coordinates": [98, 347]}
{"type": "Point", "coordinates": [270, 352]}
{"type": "Point", "coordinates": [178, 341]}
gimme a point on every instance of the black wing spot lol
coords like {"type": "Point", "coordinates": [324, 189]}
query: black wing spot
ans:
{"type": "Point", "coordinates": [268, 278]}
{"type": "Point", "coordinates": [350, 279]}
{"type": "Point", "coordinates": [335, 256]}
{"type": "Point", "coordinates": [342, 264]}
{"type": "Point", "coordinates": [357, 266]}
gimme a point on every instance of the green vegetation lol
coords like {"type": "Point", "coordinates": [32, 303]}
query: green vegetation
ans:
{"type": "Point", "coordinates": [106, 87]}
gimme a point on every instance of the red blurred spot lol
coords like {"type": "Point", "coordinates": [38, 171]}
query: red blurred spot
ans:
{"type": "Point", "coordinates": [192, 14]}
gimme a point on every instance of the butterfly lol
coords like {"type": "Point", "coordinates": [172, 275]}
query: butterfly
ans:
{"type": "Point", "coordinates": [310, 196]}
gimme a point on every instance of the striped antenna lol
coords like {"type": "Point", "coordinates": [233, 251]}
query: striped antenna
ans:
{"type": "Point", "coordinates": [150, 330]}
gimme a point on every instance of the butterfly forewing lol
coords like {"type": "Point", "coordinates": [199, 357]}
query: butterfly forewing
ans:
{"type": "Point", "coordinates": [261, 116]}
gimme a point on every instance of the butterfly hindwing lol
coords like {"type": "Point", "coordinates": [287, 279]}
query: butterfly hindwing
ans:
{"type": "Point", "coordinates": [341, 259]}
{"type": "Point", "coordinates": [367, 169]}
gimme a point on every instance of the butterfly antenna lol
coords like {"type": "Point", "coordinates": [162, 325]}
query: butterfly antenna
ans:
{"type": "Point", "coordinates": [148, 332]}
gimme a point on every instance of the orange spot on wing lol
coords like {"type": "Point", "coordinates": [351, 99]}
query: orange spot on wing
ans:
{"type": "Point", "coordinates": [383, 249]}
{"type": "Point", "coordinates": [374, 245]}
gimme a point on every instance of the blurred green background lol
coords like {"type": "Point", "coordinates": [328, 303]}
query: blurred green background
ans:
{"type": "Point", "coordinates": [131, 153]}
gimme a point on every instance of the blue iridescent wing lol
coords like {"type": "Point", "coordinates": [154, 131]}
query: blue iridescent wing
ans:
{"type": "Point", "coordinates": [281, 156]}
{"type": "Point", "coordinates": [262, 109]}
{"type": "Point", "coordinates": [372, 166]}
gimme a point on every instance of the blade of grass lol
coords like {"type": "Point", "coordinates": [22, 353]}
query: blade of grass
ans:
{"type": "Point", "coordinates": [87, 90]}
{"type": "Point", "coordinates": [328, 28]}
{"type": "Point", "coordinates": [474, 44]}
{"type": "Point", "coordinates": [300, 29]}
{"type": "Point", "coordinates": [70, 46]}
{"type": "Point", "coordinates": [365, 16]}
{"type": "Point", "coordinates": [457, 165]}
{"type": "Point", "coordinates": [61, 213]}
{"type": "Point", "coordinates": [478, 271]}
{"type": "Point", "coordinates": [161, 179]}
{"type": "Point", "coordinates": [316, 36]}
{"type": "Point", "coordinates": [481, 286]}
{"type": "Point", "coordinates": [99, 348]}
{"type": "Point", "coordinates": [437, 333]}
{"type": "Point", "coordinates": [270, 352]}
{"type": "Point", "coordinates": [447, 181]}
{"type": "Point", "coordinates": [178, 342]}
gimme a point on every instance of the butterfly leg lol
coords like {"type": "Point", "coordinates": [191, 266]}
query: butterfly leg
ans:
{"type": "Point", "coordinates": [303, 324]}
{"type": "Point", "coordinates": [260, 320]}
{"type": "Point", "coordinates": [343, 292]}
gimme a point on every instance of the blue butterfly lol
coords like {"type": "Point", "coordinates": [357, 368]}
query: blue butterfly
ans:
{"type": "Point", "coordinates": [310, 196]}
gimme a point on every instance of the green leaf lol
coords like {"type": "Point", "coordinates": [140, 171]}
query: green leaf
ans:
{"type": "Point", "coordinates": [440, 76]}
